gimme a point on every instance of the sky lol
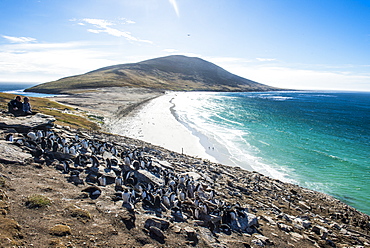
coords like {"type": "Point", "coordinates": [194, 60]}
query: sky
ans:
{"type": "Point", "coordinates": [305, 44]}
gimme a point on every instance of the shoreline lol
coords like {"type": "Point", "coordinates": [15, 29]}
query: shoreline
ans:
{"type": "Point", "coordinates": [154, 122]}
{"type": "Point", "coordinates": [144, 121]}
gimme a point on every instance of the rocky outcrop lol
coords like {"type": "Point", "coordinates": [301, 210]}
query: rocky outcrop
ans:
{"type": "Point", "coordinates": [23, 124]}
{"type": "Point", "coordinates": [187, 200]}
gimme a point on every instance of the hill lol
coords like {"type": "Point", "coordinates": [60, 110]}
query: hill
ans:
{"type": "Point", "coordinates": [175, 72]}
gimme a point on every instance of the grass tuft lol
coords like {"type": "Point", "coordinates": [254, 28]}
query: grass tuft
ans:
{"type": "Point", "coordinates": [37, 201]}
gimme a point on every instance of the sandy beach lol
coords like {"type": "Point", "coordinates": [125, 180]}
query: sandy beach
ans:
{"type": "Point", "coordinates": [155, 123]}
{"type": "Point", "coordinates": [142, 114]}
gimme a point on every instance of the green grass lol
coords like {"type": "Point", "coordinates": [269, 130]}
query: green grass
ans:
{"type": "Point", "coordinates": [37, 201]}
{"type": "Point", "coordinates": [49, 107]}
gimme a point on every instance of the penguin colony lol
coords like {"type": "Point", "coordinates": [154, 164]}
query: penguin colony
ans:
{"type": "Point", "coordinates": [97, 163]}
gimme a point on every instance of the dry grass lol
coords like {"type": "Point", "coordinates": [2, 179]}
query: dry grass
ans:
{"type": "Point", "coordinates": [43, 105]}
{"type": "Point", "coordinates": [78, 212]}
{"type": "Point", "coordinates": [60, 230]}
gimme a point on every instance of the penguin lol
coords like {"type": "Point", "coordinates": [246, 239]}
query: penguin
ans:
{"type": "Point", "coordinates": [131, 180]}
{"type": "Point", "coordinates": [102, 180]}
{"type": "Point", "coordinates": [75, 177]}
{"type": "Point", "coordinates": [43, 143]}
{"type": "Point", "coordinates": [127, 161]}
{"type": "Point", "coordinates": [114, 162]}
{"type": "Point", "coordinates": [118, 181]}
{"type": "Point", "coordinates": [108, 163]}
{"type": "Point", "coordinates": [72, 151]}
{"type": "Point", "coordinates": [136, 165]}
{"type": "Point", "coordinates": [166, 201]}
{"type": "Point", "coordinates": [157, 202]}
{"type": "Point", "coordinates": [20, 142]}
{"type": "Point", "coordinates": [94, 161]}
{"type": "Point", "coordinates": [126, 196]}
{"type": "Point", "coordinates": [66, 167]}
{"type": "Point", "coordinates": [55, 147]}
{"type": "Point", "coordinates": [32, 136]}
{"type": "Point", "coordinates": [181, 196]}
{"type": "Point", "coordinates": [9, 137]}
{"type": "Point", "coordinates": [94, 191]}
{"type": "Point", "coordinates": [113, 150]}
{"type": "Point", "coordinates": [37, 153]}
{"type": "Point", "coordinates": [84, 144]}
{"type": "Point", "coordinates": [65, 149]}
{"type": "Point", "coordinates": [39, 135]}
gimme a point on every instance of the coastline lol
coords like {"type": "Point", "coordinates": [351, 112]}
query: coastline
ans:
{"type": "Point", "coordinates": [154, 119]}
{"type": "Point", "coordinates": [285, 215]}
{"type": "Point", "coordinates": [154, 122]}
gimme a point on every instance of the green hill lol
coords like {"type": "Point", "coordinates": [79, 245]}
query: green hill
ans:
{"type": "Point", "coordinates": [175, 72]}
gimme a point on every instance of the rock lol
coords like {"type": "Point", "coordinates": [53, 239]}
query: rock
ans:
{"type": "Point", "coordinates": [60, 230]}
{"type": "Point", "coordinates": [12, 154]}
{"type": "Point", "coordinates": [285, 227]}
{"type": "Point", "coordinates": [319, 230]}
{"type": "Point", "coordinates": [147, 177]}
{"type": "Point", "coordinates": [24, 124]}
{"type": "Point", "coordinates": [191, 234]}
{"type": "Point", "coordinates": [207, 236]}
{"type": "Point", "coordinates": [268, 219]}
{"type": "Point", "coordinates": [177, 229]}
{"type": "Point", "coordinates": [296, 236]}
{"type": "Point", "coordinates": [263, 239]}
{"type": "Point", "coordinates": [157, 222]}
{"type": "Point", "coordinates": [245, 223]}
{"type": "Point", "coordinates": [128, 218]}
{"type": "Point", "coordinates": [156, 232]}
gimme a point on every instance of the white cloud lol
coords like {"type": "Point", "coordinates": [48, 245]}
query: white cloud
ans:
{"type": "Point", "coordinates": [34, 62]}
{"type": "Point", "coordinates": [103, 26]}
{"type": "Point", "coordinates": [170, 50]}
{"type": "Point", "coordinates": [175, 7]}
{"type": "Point", "coordinates": [265, 59]}
{"type": "Point", "coordinates": [294, 77]}
{"type": "Point", "coordinates": [19, 39]}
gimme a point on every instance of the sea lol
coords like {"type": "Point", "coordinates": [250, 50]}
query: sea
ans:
{"type": "Point", "coordinates": [18, 89]}
{"type": "Point", "coordinates": [318, 140]}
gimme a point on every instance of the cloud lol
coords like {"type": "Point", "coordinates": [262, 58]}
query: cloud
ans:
{"type": "Point", "coordinates": [265, 59]}
{"type": "Point", "coordinates": [37, 62]}
{"type": "Point", "coordinates": [175, 7]}
{"type": "Point", "coordinates": [19, 39]}
{"type": "Point", "coordinates": [104, 26]}
{"type": "Point", "coordinates": [304, 77]}
{"type": "Point", "coordinates": [170, 50]}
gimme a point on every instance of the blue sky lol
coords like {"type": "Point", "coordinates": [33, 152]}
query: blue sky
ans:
{"type": "Point", "coordinates": [305, 44]}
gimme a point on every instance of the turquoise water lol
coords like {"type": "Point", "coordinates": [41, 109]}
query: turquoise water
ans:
{"type": "Point", "coordinates": [318, 140]}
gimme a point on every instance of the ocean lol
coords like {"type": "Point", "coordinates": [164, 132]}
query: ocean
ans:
{"type": "Point", "coordinates": [17, 89]}
{"type": "Point", "coordinates": [318, 140]}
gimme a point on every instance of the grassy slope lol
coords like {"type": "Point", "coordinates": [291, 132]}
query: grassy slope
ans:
{"type": "Point", "coordinates": [178, 73]}
{"type": "Point", "coordinates": [43, 105]}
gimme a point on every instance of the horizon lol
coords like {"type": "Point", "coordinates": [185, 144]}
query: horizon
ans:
{"type": "Point", "coordinates": [311, 45]}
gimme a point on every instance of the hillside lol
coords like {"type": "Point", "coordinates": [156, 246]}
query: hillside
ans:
{"type": "Point", "coordinates": [100, 197]}
{"type": "Point", "coordinates": [175, 72]}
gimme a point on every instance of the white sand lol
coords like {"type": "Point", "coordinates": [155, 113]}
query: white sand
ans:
{"type": "Point", "coordinates": [154, 123]}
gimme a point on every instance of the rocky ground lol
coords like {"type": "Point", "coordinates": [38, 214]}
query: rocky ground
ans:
{"type": "Point", "coordinates": [43, 204]}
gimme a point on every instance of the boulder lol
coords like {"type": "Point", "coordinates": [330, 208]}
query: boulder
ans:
{"type": "Point", "coordinates": [24, 124]}
{"type": "Point", "coordinates": [11, 153]}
